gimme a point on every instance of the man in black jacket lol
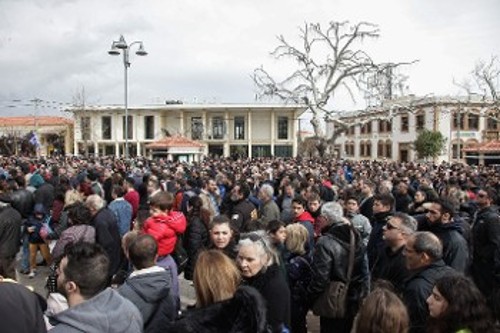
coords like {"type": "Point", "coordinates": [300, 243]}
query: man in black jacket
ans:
{"type": "Point", "coordinates": [441, 223]}
{"type": "Point", "coordinates": [330, 263]}
{"type": "Point", "coordinates": [106, 231]}
{"type": "Point", "coordinates": [383, 205]}
{"type": "Point", "coordinates": [423, 252]}
{"type": "Point", "coordinates": [10, 238]}
{"type": "Point", "coordinates": [243, 214]}
{"type": "Point", "coordinates": [486, 244]}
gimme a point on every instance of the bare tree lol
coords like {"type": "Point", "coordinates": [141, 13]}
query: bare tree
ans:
{"type": "Point", "coordinates": [327, 60]}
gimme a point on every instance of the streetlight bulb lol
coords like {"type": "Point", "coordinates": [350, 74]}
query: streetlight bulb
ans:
{"type": "Point", "coordinates": [141, 51]}
{"type": "Point", "coordinates": [121, 43]}
{"type": "Point", "coordinates": [114, 50]}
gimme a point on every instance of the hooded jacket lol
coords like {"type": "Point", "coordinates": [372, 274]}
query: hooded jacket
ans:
{"type": "Point", "coordinates": [108, 236]}
{"type": "Point", "coordinates": [164, 228]}
{"type": "Point", "coordinates": [106, 312]}
{"type": "Point", "coordinates": [244, 313]}
{"type": "Point", "coordinates": [150, 291]}
{"type": "Point", "coordinates": [34, 237]}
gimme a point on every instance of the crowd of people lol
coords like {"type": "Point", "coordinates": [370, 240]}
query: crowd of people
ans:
{"type": "Point", "coordinates": [372, 246]}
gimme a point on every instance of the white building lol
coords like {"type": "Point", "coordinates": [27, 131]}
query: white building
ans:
{"type": "Point", "coordinates": [224, 130]}
{"type": "Point", "coordinates": [389, 131]}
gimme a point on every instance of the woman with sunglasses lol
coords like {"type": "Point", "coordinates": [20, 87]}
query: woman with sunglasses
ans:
{"type": "Point", "coordinates": [259, 268]}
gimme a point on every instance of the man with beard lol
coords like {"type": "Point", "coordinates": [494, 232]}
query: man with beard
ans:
{"type": "Point", "coordinates": [441, 223]}
{"type": "Point", "coordinates": [82, 279]}
{"type": "Point", "coordinates": [486, 244]}
{"type": "Point", "coordinates": [243, 214]}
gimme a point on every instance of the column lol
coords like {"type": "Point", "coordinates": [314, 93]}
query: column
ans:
{"type": "Point", "coordinates": [294, 132]}
{"type": "Point", "coordinates": [204, 122]}
{"type": "Point", "coordinates": [273, 130]}
{"type": "Point", "coordinates": [249, 117]}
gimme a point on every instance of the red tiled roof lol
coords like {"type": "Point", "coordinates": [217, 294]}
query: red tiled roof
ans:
{"type": "Point", "coordinates": [492, 146]}
{"type": "Point", "coordinates": [30, 121]}
{"type": "Point", "coordinates": [174, 141]}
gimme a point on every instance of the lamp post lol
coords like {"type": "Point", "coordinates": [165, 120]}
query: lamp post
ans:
{"type": "Point", "coordinates": [118, 47]}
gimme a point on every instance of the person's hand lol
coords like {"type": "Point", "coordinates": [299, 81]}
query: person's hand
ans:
{"type": "Point", "coordinates": [31, 229]}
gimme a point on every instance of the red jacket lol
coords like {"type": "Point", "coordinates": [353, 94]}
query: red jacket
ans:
{"type": "Point", "coordinates": [133, 199]}
{"type": "Point", "coordinates": [164, 228]}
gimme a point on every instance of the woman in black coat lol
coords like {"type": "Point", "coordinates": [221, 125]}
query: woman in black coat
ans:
{"type": "Point", "coordinates": [196, 235]}
{"type": "Point", "coordinates": [258, 265]}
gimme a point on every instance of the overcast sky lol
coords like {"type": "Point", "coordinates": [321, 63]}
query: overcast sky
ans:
{"type": "Point", "coordinates": [205, 51]}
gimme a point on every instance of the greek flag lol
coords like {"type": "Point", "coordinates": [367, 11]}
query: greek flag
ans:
{"type": "Point", "coordinates": [34, 140]}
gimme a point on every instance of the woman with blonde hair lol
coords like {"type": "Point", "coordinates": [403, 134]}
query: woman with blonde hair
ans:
{"type": "Point", "coordinates": [221, 304]}
{"type": "Point", "coordinates": [298, 268]}
{"type": "Point", "coordinates": [215, 278]}
{"type": "Point", "coordinates": [382, 311]}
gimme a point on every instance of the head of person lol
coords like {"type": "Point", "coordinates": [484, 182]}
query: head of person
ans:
{"type": "Point", "coordinates": [78, 213]}
{"type": "Point", "coordinates": [255, 253]}
{"type": "Point", "coordinates": [402, 188]}
{"type": "Point", "coordinates": [215, 278]}
{"type": "Point", "coordinates": [127, 239]}
{"type": "Point", "coordinates": [399, 227]}
{"type": "Point", "coordinates": [440, 211]}
{"type": "Point", "coordinates": [95, 203]}
{"type": "Point", "coordinates": [161, 202]}
{"type": "Point", "coordinates": [153, 184]}
{"type": "Point", "coordinates": [289, 190]}
{"type": "Point", "coordinates": [266, 193]}
{"type": "Point", "coordinates": [333, 212]}
{"type": "Point", "coordinates": [299, 205]}
{"type": "Point", "coordinates": [456, 303]}
{"type": "Point", "coordinates": [367, 188]}
{"type": "Point", "coordinates": [210, 185]}
{"type": "Point", "coordinates": [351, 205]}
{"type": "Point", "coordinates": [240, 191]}
{"type": "Point", "coordinates": [276, 230]}
{"type": "Point", "coordinates": [221, 233]}
{"type": "Point", "coordinates": [129, 184]}
{"type": "Point", "coordinates": [297, 238]}
{"type": "Point", "coordinates": [420, 196]}
{"type": "Point", "coordinates": [422, 249]}
{"type": "Point", "coordinates": [117, 191]}
{"type": "Point", "coordinates": [485, 197]}
{"type": "Point", "coordinates": [143, 252]}
{"type": "Point", "coordinates": [314, 202]}
{"type": "Point", "coordinates": [383, 203]}
{"type": "Point", "coordinates": [384, 310]}
{"type": "Point", "coordinates": [83, 272]}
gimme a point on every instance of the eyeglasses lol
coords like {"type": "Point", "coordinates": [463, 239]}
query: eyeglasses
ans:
{"type": "Point", "coordinates": [390, 226]}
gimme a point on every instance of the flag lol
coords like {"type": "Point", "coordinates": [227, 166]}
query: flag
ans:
{"type": "Point", "coordinates": [34, 140]}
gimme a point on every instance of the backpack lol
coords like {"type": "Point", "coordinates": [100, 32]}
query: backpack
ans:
{"type": "Point", "coordinates": [180, 255]}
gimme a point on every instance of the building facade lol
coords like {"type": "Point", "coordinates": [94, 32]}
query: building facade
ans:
{"type": "Point", "coordinates": [389, 131]}
{"type": "Point", "coordinates": [224, 130]}
{"type": "Point", "coordinates": [54, 135]}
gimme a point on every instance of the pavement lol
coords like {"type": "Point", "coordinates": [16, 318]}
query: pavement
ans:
{"type": "Point", "coordinates": [186, 290]}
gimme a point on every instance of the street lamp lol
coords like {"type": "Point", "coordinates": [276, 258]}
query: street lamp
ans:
{"type": "Point", "coordinates": [118, 47]}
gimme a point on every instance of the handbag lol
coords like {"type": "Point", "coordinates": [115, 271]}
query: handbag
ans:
{"type": "Point", "coordinates": [332, 303]}
{"type": "Point", "coordinates": [180, 255]}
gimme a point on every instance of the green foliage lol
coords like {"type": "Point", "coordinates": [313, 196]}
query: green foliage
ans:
{"type": "Point", "coordinates": [429, 144]}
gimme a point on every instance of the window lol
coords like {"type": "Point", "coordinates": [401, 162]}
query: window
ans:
{"type": "Point", "coordinates": [261, 151]}
{"type": "Point", "coordinates": [149, 127]}
{"type": "Point", "coordinates": [473, 122]}
{"type": "Point", "coordinates": [282, 128]}
{"type": "Point", "coordinates": [388, 125]}
{"type": "Point", "coordinates": [368, 149]}
{"type": "Point", "coordinates": [458, 121]}
{"type": "Point", "coordinates": [420, 120]}
{"type": "Point", "coordinates": [217, 128]}
{"type": "Point", "coordinates": [106, 127]}
{"type": "Point", "coordinates": [491, 123]}
{"type": "Point", "coordinates": [130, 127]}
{"type": "Point", "coordinates": [85, 128]}
{"type": "Point", "coordinates": [380, 149]}
{"type": "Point", "coordinates": [388, 149]}
{"type": "Point", "coordinates": [283, 151]}
{"type": "Point", "coordinates": [455, 151]}
{"type": "Point", "coordinates": [362, 148]}
{"type": "Point", "coordinates": [404, 124]}
{"type": "Point", "coordinates": [196, 128]}
{"type": "Point", "coordinates": [239, 128]}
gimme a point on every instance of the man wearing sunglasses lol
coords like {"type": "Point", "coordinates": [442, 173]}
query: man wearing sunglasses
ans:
{"type": "Point", "coordinates": [391, 264]}
{"type": "Point", "coordinates": [486, 244]}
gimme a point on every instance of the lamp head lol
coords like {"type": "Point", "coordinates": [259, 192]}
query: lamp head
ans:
{"type": "Point", "coordinates": [114, 50]}
{"type": "Point", "coordinates": [141, 51]}
{"type": "Point", "coordinates": [121, 43]}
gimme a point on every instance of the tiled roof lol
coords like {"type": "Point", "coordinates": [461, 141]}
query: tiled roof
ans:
{"type": "Point", "coordinates": [31, 121]}
{"type": "Point", "coordinates": [492, 146]}
{"type": "Point", "coordinates": [174, 141]}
